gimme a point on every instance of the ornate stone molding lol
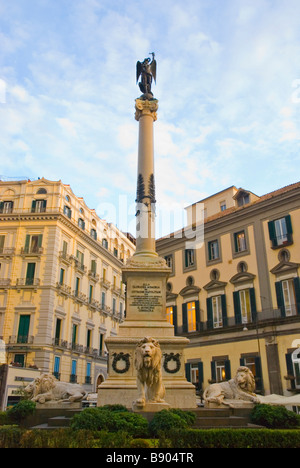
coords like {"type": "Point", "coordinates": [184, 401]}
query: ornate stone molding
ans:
{"type": "Point", "coordinates": [146, 107]}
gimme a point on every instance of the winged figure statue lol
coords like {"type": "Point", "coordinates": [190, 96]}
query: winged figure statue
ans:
{"type": "Point", "coordinates": [147, 71]}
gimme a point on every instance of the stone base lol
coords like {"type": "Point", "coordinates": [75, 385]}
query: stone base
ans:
{"type": "Point", "coordinates": [150, 407]}
{"type": "Point", "coordinates": [229, 404]}
{"type": "Point", "coordinates": [63, 405]}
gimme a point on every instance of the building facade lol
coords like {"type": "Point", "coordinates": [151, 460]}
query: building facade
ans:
{"type": "Point", "coordinates": [236, 295]}
{"type": "Point", "coordinates": [61, 291]}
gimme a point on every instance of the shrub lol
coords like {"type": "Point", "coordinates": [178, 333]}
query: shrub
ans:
{"type": "Point", "coordinates": [165, 421]}
{"type": "Point", "coordinates": [231, 438]}
{"type": "Point", "coordinates": [97, 419]}
{"type": "Point", "coordinates": [115, 407]}
{"type": "Point", "coordinates": [140, 443]}
{"type": "Point", "coordinates": [10, 436]}
{"type": "Point", "coordinates": [21, 411]}
{"type": "Point", "coordinates": [188, 416]}
{"type": "Point", "coordinates": [274, 417]}
{"type": "Point", "coordinates": [4, 419]}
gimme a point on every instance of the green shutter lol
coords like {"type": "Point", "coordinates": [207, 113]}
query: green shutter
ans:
{"type": "Point", "coordinates": [210, 320]}
{"type": "Point", "coordinates": [242, 361]}
{"type": "Point", "coordinates": [224, 310]}
{"type": "Point", "coordinates": [1, 206]}
{"type": "Point", "coordinates": [236, 247]}
{"type": "Point", "coordinates": [200, 375]}
{"type": "Point", "coordinates": [23, 328]}
{"type": "Point", "coordinates": [280, 298]}
{"type": "Point", "coordinates": [213, 371]}
{"type": "Point", "coordinates": [253, 304]}
{"type": "Point", "coordinates": [2, 240]}
{"type": "Point", "coordinates": [237, 307]}
{"type": "Point", "coordinates": [30, 274]}
{"type": "Point", "coordinates": [290, 368]}
{"type": "Point", "coordinates": [175, 321]}
{"type": "Point", "coordinates": [33, 206]}
{"type": "Point", "coordinates": [258, 376]}
{"type": "Point", "coordinates": [57, 330]}
{"type": "Point", "coordinates": [272, 233]}
{"type": "Point", "coordinates": [297, 293]}
{"type": "Point", "coordinates": [197, 310]}
{"type": "Point", "coordinates": [27, 243]}
{"type": "Point", "coordinates": [288, 223]}
{"type": "Point", "coordinates": [184, 318]}
{"type": "Point", "coordinates": [40, 240]}
{"type": "Point", "coordinates": [188, 372]}
{"type": "Point", "coordinates": [227, 370]}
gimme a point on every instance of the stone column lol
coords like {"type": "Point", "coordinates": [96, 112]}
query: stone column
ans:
{"type": "Point", "coordinates": [145, 227]}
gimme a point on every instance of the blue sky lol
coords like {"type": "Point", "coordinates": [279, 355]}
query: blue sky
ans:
{"type": "Point", "coordinates": [228, 85]}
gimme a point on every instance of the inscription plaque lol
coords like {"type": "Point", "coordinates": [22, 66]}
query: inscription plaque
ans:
{"type": "Point", "coordinates": [145, 296]}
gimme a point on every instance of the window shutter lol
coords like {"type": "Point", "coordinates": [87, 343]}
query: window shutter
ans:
{"type": "Point", "coordinates": [253, 304]}
{"type": "Point", "coordinates": [280, 299]}
{"type": "Point", "coordinates": [272, 233]}
{"type": "Point", "coordinates": [33, 206]}
{"type": "Point", "coordinates": [1, 206]}
{"type": "Point", "coordinates": [40, 240]}
{"type": "Point", "coordinates": [175, 322]}
{"type": "Point", "coordinates": [290, 368]}
{"type": "Point", "coordinates": [288, 223]}
{"type": "Point", "coordinates": [200, 375]}
{"type": "Point", "coordinates": [227, 370]}
{"type": "Point", "coordinates": [224, 310]}
{"type": "Point", "coordinates": [242, 361]}
{"type": "Point", "coordinates": [258, 377]}
{"type": "Point", "coordinates": [237, 307]}
{"type": "Point", "coordinates": [210, 322]}
{"type": "Point", "coordinates": [297, 293]}
{"type": "Point", "coordinates": [197, 311]}
{"type": "Point", "coordinates": [23, 328]}
{"type": "Point", "coordinates": [186, 258]}
{"type": "Point", "coordinates": [188, 371]}
{"type": "Point", "coordinates": [213, 371]}
{"type": "Point", "coordinates": [184, 318]}
{"type": "Point", "coordinates": [27, 242]}
{"type": "Point", "coordinates": [236, 247]}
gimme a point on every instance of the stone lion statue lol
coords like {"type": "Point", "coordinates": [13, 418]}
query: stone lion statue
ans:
{"type": "Point", "coordinates": [149, 374]}
{"type": "Point", "coordinates": [48, 388]}
{"type": "Point", "coordinates": [241, 387]}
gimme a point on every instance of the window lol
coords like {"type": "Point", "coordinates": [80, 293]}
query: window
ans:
{"type": "Point", "coordinates": [94, 234]}
{"type": "Point", "coordinates": [65, 248]}
{"type": "Point", "coordinates": [29, 280]}
{"type": "Point", "coordinates": [189, 258]}
{"type": "Point", "coordinates": [6, 207]}
{"type": "Point", "coordinates": [80, 258]}
{"type": "Point", "coordinates": [280, 231]}
{"type": "Point", "coordinates": [93, 267]}
{"type": "Point", "coordinates": [243, 199]}
{"type": "Point", "coordinates": [223, 205]}
{"type": "Point", "coordinates": [67, 211]}
{"type": "Point", "coordinates": [114, 305]}
{"type": "Point", "coordinates": [57, 331]}
{"type": "Point", "coordinates": [216, 311]}
{"type": "Point", "coordinates": [296, 368]}
{"type": "Point", "coordinates": [88, 377]}
{"type": "Point", "coordinates": [288, 296]}
{"type": "Point", "coordinates": [191, 316]}
{"type": "Point", "coordinates": [240, 244]}
{"type": "Point", "coordinates": [103, 300]}
{"type": "Point", "coordinates": [23, 330]}
{"type": "Point", "coordinates": [101, 344]}
{"type": "Point", "coordinates": [169, 261]}
{"type": "Point", "coordinates": [213, 250]}
{"type": "Point", "coordinates": [244, 306]}
{"type": "Point", "coordinates": [73, 377]}
{"type": "Point", "coordinates": [33, 244]}
{"type": "Point", "coordinates": [41, 191]}
{"type": "Point", "coordinates": [254, 364]}
{"type": "Point", "coordinates": [38, 206]}
{"type": "Point", "coordinates": [77, 286]}
{"type": "Point", "coordinates": [88, 338]}
{"type": "Point", "coordinates": [81, 223]}
{"type": "Point", "coordinates": [115, 252]}
{"type": "Point", "coordinates": [170, 314]}
{"type": "Point", "coordinates": [105, 243]}
{"type": "Point", "coordinates": [56, 370]}
{"type": "Point", "coordinates": [74, 335]}
{"type": "Point", "coordinates": [220, 369]}
{"type": "Point", "coordinates": [91, 293]}
{"type": "Point", "coordinates": [61, 276]}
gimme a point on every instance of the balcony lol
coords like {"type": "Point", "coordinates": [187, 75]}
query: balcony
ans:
{"type": "Point", "coordinates": [28, 283]}
{"type": "Point", "coordinates": [32, 251]}
{"type": "Point", "coordinates": [63, 289]}
{"type": "Point", "coordinates": [20, 339]}
{"type": "Point", "coordinates": [4, 283]}
{"type": "Point", "coordinates": [93, 275]}
{"type": "Point", "coordinates": [7, 252]}
{"type": "Point", "coordinates": [64, 257]}
{"type": "Point", "coordinates": [79, 266]}
{"type": "Point", "coordinates": [104, 283]}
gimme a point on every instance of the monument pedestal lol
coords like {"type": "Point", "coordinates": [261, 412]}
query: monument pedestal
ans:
{"type": "Point", "coordinates": [146, 317]}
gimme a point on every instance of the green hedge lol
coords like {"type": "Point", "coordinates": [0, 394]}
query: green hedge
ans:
{"type": "Point", "coordinates": [274, 417]}
{"type": "Point", "coordinates": [231, 438]}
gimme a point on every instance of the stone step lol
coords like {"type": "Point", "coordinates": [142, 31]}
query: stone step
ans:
{"type": "Point", "coordinates": [59, 421]}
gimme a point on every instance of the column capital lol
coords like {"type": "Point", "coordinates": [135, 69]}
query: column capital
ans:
{"type": "Point", "coordinates": [146, 107]}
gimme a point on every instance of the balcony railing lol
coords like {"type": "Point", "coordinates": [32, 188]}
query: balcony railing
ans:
{"type": "Point", "coordinates": [20, 339]}
{"type": "Point", "coordinates": [7, 251]}
{"type": "Point", "coordinates": [32, 251]}
{"type": "Point", "coordinates": [28, 282]}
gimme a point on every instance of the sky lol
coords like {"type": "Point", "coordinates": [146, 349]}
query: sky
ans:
{"type": "Point", "coordinates": [228, 86]}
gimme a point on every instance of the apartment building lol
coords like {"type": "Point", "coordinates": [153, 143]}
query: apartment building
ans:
{"type": "Point", "coordinates": [236, 295]}
{"type": "Point", "coordinates": [61, 291]}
